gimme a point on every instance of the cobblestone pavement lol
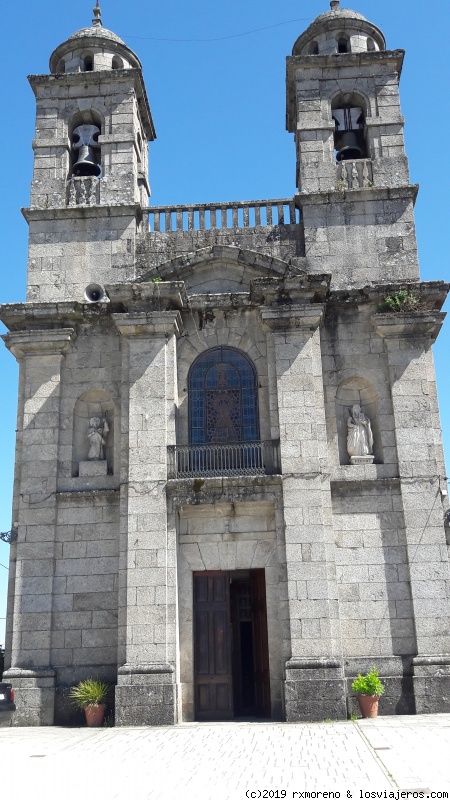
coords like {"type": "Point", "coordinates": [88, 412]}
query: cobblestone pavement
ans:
{"type": "Point", "coordinates": [227, 760]}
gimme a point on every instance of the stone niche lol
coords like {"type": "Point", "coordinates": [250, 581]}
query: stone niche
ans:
{"type": "Point", "coordinates": [93, 403]}
{"type": "Point", "coordinates": [357, 391]}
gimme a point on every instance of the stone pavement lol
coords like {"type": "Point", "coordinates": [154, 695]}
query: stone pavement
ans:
{"type": "Point", "coordinates": [228, 760]}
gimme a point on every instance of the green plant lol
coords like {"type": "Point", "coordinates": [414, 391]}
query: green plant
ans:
{"type": "Point", "coordinates": [403, 300]}
{"type": "Point", "coordinates": [156, 280]}
{"type": "Point", "coordinates": [353, 717]}
{"type": "Point", "coordinates": [369, 684]}
{"type": "Point", "coordinates": [89, 693]}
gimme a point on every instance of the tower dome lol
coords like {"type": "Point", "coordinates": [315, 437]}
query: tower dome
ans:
{"type": "Point", "coordinates": [340, 30]}
{"type": "Point", "coordinates": [92, 50]}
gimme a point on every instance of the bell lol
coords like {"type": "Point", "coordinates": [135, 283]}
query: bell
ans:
{"type": "Point", "coordinates": [85, 140]}
{"type": "Point", "coordinates": [348, 147]}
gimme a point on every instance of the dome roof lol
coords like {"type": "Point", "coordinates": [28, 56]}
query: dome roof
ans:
{"type": "Point", "coordinates": [339, 13]}
{"type": "Point", "coordinates": [94, 37]}
{"type": "Point", "coordinates": [339, 18]}
{"type": "Point", "coordinates": [96, 31]}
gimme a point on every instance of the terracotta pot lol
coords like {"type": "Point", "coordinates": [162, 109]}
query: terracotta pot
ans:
{"type": "Point", "coordinates": [368, 705]}
{"type": "Point", "coordinates": [95, 715]}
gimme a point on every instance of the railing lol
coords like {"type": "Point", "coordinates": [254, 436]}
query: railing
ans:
{"type": "Point", "coordinates": [354, 174]}
{"type": "Point", "coordinates": [221, 216]}
{"type": "Point", "coordinates": [215, 460]}
{"type": "Point", "coordinates": [83, 191]}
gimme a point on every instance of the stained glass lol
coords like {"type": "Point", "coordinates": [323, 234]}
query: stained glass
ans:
{"type": "Point", "coordinates": [223, 404]}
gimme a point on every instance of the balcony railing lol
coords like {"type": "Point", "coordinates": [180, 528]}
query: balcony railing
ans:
{"type": "Point", "coordinates": [216, 460]}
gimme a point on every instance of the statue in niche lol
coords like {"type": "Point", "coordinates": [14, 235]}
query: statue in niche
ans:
{"type": "Point", "coordinates": [96, 434]}
{"type": "Point", "coordinates": [359, 436]}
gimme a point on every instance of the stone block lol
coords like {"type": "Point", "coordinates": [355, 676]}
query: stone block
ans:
{"type": "Point", "coordinates": [92, 469]}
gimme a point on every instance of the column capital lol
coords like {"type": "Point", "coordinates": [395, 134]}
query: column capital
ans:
{"type": "Point", "coordinates": [149, 323]}
{"type": "Point", "coordinates": [306, 317]}
{"type": "Point", "coordinates": [413, 325]}
{"type": "Point", "coordinates": [50, 342]}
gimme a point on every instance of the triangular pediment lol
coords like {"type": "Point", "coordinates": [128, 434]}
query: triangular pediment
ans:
{"type": "Point", "coordinates": [221, 269]}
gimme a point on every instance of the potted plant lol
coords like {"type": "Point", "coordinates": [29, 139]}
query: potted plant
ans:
{"type": "Point", "coordinates": [368, 689]}
{"type": "Point", "coordinates": [91, 695]}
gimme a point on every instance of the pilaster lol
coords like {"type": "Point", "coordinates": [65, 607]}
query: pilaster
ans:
{"type": "Point", "coordinates": [408, 339]}
{"type": "Point", "coordinates": [146, 691]}
{"type": "Point", "coordinates": [40, 354]}
{"type": "Point", "coordinates": [314, 674]}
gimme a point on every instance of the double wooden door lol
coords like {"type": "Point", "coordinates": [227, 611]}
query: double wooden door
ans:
{"type": "Point", "coordinates": [231, 655]}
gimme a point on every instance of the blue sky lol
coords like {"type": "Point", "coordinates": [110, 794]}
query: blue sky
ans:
{"type": "Point", "coordinates": [217, 94]}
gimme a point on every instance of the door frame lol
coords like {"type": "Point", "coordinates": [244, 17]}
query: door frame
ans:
{"type": "Point", "coordinates": [204, 649]}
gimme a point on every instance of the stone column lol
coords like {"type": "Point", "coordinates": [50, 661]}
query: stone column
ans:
{"type": "Point", "coordinates": [314, 674]}
{"type": "Point", "coordinates": [146, 691]}
{"type": "Point", "coordinates": [408, 339]}
{"type": "Point", "coordinates": [40, 355]}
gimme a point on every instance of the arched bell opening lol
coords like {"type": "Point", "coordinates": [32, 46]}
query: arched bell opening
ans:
{"type": "Point", "coordinates": [117, 63]}
{"type": "Point", "coordinates": [313, 49]}
{"type": "Point", "coordinates": [84, 133]}
{"type": "Point", "coordinates": [350, 134]}
{"type": "Point", "coordinates": [343, 43]}
{"type": "Point", "coordinates": [87, 62]}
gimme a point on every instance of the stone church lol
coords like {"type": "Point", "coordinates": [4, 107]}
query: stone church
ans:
{"type": "Point", "coordinates": [229, 488]}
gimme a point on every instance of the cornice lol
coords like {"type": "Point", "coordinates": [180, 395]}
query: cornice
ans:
{"type": "Point", "coordinates": [149, 323]}
{"type": "Point", "coordinates": [40, 343]}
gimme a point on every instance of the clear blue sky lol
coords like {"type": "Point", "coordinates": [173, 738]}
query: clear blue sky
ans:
{"type": "Point", "coordinates": [219, 111]}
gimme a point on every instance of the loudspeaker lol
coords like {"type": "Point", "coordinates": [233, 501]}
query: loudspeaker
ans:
{"type": "Point", "coordinates": [94, 293]}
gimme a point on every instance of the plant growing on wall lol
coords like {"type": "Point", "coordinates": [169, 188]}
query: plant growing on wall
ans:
{"type": "Point", "coordinates": [402, 300]}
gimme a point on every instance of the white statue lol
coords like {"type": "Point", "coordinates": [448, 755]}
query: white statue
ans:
{"type": "Point", "coordinates": [359, 437]}
{"type": "Point", "coordinates": [96, 434]}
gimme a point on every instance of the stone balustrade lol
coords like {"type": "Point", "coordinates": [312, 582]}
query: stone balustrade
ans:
{"type": "Point", "coordinates": [356, 174]}
{"type": "Point", "coordinates": [84, 191]}
{"type": "Point", "coordinates": [221, 216]}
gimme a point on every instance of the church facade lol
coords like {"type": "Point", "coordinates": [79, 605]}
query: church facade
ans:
{"type": "Point", "coordinates": [229, 488]}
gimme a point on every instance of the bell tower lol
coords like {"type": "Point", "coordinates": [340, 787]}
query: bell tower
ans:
{"type": "Point", "coordinates": [93, 122]}
{"type": "Point", "coordinates": [343, 108]}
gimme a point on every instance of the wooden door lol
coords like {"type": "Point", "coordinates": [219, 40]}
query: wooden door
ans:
{"type": "Point", "coordinates": [260, 643]}
{"type": "Point", "coordinates": [212, 646]}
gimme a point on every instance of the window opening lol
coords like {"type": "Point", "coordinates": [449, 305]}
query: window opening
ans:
{"type": "Point", "coordinates": [343, 45]}
{"type": "Point", "coordinates": [223, 406]}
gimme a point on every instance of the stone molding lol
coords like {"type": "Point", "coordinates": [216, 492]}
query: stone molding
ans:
{"type": "Point", "coordinates": [148, 296]}
{"type": "Point", "coordinates": [411, 325]}
{"type": "Point", "coordinates": [97, 212]}
{"type": "Point", "coordinates": [149, 323]}
{"type": "Point", "coordinates": [39, 343]}
{"type": "Point", "coordinates": [20, 316]}
{"type": "Point", "coordinates": [305, 317]}
{"type": "Point", "coordinates": [13, 673]}
{"type": "Point", "coordinates": [408, 192]}
{"type": "Point", "coordinates": [145, 669]}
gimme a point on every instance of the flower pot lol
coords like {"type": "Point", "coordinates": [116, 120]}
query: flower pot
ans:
{"type": "Point", "coordinates": [368, 705]}
{"type": "Point", "coordinates": [95, 715]}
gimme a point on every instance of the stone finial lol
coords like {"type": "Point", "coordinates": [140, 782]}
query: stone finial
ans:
{"type": "Point", "coordinates": [97, 21]}
{"type": "Point", "coordinates": [334, 5]}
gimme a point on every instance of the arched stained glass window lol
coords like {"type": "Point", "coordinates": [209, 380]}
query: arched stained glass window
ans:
{"type": "Point", "coordinates": [223, 400]}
